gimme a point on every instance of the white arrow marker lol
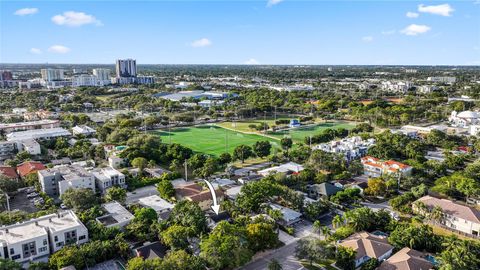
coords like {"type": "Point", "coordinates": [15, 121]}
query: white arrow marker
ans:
{"type": "Point", "coordinates": [215, 206]}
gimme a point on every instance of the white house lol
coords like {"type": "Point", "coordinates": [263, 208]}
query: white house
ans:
{"type": "Point", "coordinates": [36, 239]}
{"type": "Point", "coordinates": [367, 246]}
{"type": "Point", "coordinates": [464, 119]}
{"type": "Point", "coordinates": [117, 215]}
{"type": "Point", "coordinates": [57, 180]}
{"type": "Point", "coordinates": [108, 177]}
{"type": "Point", "coordinates": [455, 216]}
{"type": "Point", "coordinates": [374, 167]}
{"type": "Point", "coordinates": [290, 167]}
{"type": "Point", "coordinates": [83, 130]}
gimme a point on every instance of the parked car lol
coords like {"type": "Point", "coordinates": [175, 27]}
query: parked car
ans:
{"type": "Point", "coordinates": [32, 195]}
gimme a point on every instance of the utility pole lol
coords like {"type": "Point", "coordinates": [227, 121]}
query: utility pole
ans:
{"type": "Point", "coordinates": [264, 122]}
{"type": "Point", "coordinates": [186, 169]}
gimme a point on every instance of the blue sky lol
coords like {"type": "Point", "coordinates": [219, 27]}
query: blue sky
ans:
{"type": "Point", "coordinates": [239, 32]}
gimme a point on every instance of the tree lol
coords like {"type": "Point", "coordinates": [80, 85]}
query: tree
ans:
{"type": "Point", "coordinates": [226, 247]}
{"type": "Point", "coordinates": [360, 219]}
{"type": "Point", "coordinates": [261, 236]}
{"type": "Point", "coordinates": [286, 143]}
{"type": "Point", "coordinates": [188, 214]}
{"type": "Point", "coordinates": [315, 210]}
{"type": "Point", "coordinates": [262, 148]}
{"type": "Point", "coordinates": [176, 236]}
{"type": "Point", "coordinates": [371, 264]}
{"type": "Point", "coordinates": [166, 189]}
{"type": "Point", "coordinates": [419, 238]}
{"type": "Point", "coordinates": [79, 198]}
{"type": "Point", "coordinates": [225, 158]}
{"type": "Point", "coordinates": [140, 163]}
{"type": "Point", "coordinates": [376, 187]}
{"type": "Point", "coordinates": [459, 254]}
{"type": "Point", "coordinates": [242, 152]}
{"type": "Point", "coordinates": [338, 221]}
{"type": "Point", "coordinates": [179, 259]}
{"type": "Point", "coordinates": [313, 249]}
{"type": "Point", "coordinates": [9, 264]}
{"type": "Point", "coordinates": [116, 194]}
{"type": "Point", "coordinates": [274, 265]}
{"type": "Point", "coordinates": [345, 258]}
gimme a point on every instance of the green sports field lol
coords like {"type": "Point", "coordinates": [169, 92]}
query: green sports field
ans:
{"type": "Point", "coordinates": [298, 134]}
{"type": "Point", "coordinates": [211, 139]}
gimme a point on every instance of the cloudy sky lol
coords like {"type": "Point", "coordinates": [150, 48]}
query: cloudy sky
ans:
{"type": "Point", "coordinates": [241, 32]}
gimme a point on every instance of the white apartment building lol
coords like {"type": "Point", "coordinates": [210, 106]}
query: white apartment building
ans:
{"type": "Point", "coordinates": [396, 86]}
{"type": "Point", "coordinates": [102, 75]}
{"type": "Point", "coordinates": [444, 79]}
{"type": "Point", "coordinates": [36, 239]}
{"type": "Point", "coordinates": [49, 74]}
{"type": "Point", "coordinates": [351, 148]}
{"type": "Point", "coordinates": [84, 80]}
{"type": "Point", "coordinates": [21, 126]}
{"type": "Point", "coordinates": [57, 180]}
{"type": "Point", "coordinates": [108, 177]}
{"type": "Point", "coordinates": [40, 134]}
{"type": "Point", "coordinates": [7, 149]}
{"type": "Point", "coordinates": [31, 146]}
{"type": "Point", "coordinates": [455, 216]}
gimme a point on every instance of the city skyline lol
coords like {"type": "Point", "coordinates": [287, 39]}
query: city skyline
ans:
{"type": "Point", "coordinates": [243, 32]}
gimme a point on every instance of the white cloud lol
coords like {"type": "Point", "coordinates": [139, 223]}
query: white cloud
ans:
{"type": "Point", "coordinates": [442, 10]}
{"type": "Point", "coordinates": [26, 11]}
{"type": "Point", "coordinates": [73, 18]}
{"type": "Point", "coordinates": [203, 42]}
{"type": "Point", "coordinates": [35, 51]}
{"type": "Point", "coordinates": [412, 14]}
{"type": "Point", "coordinates": [272, 3]}
{"type": "Point", "coordinates": [388, 32]}
{"type": "Point", "coordinates": [367, 39]}
{"type": "Point", "coordinates": [415, 29]}
{"type": "Point", "coordinates": [251, 61]}
{"type": "Point", "coordinates": [59, 49]}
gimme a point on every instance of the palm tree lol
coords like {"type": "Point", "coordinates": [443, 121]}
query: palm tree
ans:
{"type": "Point", "coordinates": [274, 265]}
{"type": "Point", "coordinates": [436, 214]}
{"type": "Point", "coordinates": [317, 226]}
{"type": "Point", "coordinates": [338, 221]}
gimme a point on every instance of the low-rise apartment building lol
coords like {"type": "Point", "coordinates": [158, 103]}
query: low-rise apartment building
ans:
{"type": "Point", "coordinates": [108, 177]}
{"type": "Point", "coordinates": [7, 150]}
{"type": "Point", "coordinates": [374, 167]}
{"type": "Point", "coordinates": [455, 216]}
{"type": "Point", "coordinates": [40, 134]}
{"type": "Point", "coordinates": [57, 180]}
{"type": "Point", "coordinates": [41, 124]}
{"type": "Point", "coordinates": [36, 239]}
{"type": "Point", "coordinates": [351, 148]}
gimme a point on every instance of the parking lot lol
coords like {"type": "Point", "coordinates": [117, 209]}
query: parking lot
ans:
{"type": "Point", "coordinates": [19, 201]}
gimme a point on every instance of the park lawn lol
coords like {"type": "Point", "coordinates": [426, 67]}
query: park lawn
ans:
{"type": "Point", "coordinates": [299, 134]}
{"type": "Point", "coordinates": [242, 126]}
{"type": "Point", "coordinates": [211, 139]}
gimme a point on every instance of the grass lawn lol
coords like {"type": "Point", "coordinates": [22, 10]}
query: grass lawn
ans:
{"type": "Point", "coordinates": [242, 126]}
{"type": "Point", "coordinates": [211, 139]}
{"type": "Point", "coordinates": [299, 134]}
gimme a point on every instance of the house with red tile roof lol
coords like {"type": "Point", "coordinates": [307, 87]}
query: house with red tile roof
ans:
{"type": "Point", "coordinates": [29, 167]}
{"type": "Point", "coordinates": [374, 167]}
{"type": "Point", "coordinates": [196, 193]}
{"type": "Point", "coordinates": [8, 172]}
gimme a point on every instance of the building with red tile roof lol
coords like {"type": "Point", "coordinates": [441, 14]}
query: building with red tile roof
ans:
{"type": "Point", "coordinates": [29, 167]}
{"type": "Point", "coordinates": [407, 259]}
{"type": "Point", "coordinates": [375, 167]}
{"type": "Point", "coordinates": [368, 246]}
{"type": "Point", "coordinates": [8, 172]}
{"type": "Point", "coordinates": [196, 193]}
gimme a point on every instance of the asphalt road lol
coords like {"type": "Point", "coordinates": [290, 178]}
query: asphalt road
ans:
{"type": "Point", "coordinates": [284, 255]}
